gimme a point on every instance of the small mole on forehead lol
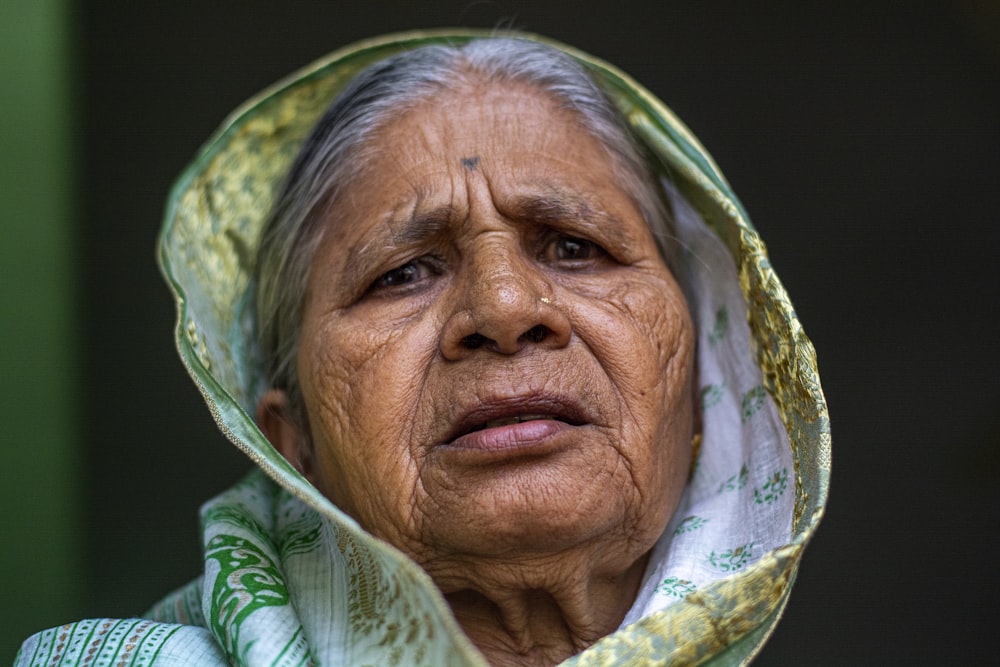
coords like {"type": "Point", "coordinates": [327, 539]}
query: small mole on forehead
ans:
{"type": "Point", "coordinates": [470, 162]}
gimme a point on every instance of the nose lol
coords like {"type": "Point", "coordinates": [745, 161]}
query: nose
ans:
{"type": "Point", "coordinates": [504, 305]}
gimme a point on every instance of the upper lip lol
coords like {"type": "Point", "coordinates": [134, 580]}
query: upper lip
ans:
{"type": "Point", "coordinates": [474, 416]}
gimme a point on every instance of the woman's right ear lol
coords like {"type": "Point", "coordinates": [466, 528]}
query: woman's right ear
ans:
{"type": "Point", "coordinates": [276, 421]}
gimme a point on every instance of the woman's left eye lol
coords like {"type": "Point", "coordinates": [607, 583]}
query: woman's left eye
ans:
{"type": "Point", "coordinates": [573, 249]}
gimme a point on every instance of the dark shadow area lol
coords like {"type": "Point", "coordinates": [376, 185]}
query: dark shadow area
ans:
{"type": "Point", "coordinates": [863, 140]}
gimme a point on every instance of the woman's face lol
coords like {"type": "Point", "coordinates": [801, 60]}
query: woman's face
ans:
{"type": "Point", "coordinates": [494, 359]}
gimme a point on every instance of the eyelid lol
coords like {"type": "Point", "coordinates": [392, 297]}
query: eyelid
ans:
{"type": "Point", "coordinates": [553, 235]}
{"type": "Point", "coordinates": [429, 263]}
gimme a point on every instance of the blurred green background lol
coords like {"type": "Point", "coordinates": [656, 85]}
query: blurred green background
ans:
{"type": "Point", "coordinates": [41, 524]}
{"type": "Point", "coordinates": [862, 136]}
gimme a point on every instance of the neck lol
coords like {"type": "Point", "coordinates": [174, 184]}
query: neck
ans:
{"type": "Point", "coordinates": [519, 620]}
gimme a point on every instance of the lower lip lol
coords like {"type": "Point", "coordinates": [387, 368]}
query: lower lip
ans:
{"type": "Point", "coordinates": [524, 437]}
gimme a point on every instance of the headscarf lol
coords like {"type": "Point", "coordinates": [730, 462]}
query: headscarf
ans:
{"type": "Point", "coordinates": [290, 579]}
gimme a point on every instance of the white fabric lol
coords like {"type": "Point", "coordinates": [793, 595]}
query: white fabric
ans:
{"type": "Point", "coordinates": [739, 502]}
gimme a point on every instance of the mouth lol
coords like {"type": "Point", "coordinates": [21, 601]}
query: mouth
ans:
{"type": "Point", "coordinates": [517, 419]}
{"type": "Point", "coordinates": [514, 422]}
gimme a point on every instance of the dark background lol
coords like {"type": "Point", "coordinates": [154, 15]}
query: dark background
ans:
{"type": "Point", "coordinates": [863, 139]}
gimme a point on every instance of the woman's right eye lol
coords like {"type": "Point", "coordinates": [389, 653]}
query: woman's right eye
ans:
{"type": "Point", "coordinates": [406, 274]}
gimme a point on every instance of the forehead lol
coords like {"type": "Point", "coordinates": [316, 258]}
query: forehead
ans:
{"type": "Point", "coordinates": [510, 133]}
{"type": "Point", "coordinates": [507, 114]}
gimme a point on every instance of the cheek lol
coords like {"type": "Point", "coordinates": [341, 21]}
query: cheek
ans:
{"type": "Point", "coordinates": [671, 416]}
{"type": "Point", "coordinates": [361, 386]}
{"type": "Point", "coordinates": [641, 331]}
{"type": "Point", "coordinates": [341, 362]}
{"type": "Point", "coordinates": [642, 335]}
{"type": "Point", "coordinates": [663, 361]}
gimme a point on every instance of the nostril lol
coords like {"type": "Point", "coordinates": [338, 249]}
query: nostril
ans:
{"type": "Point", "coordinates": [473, 341]}
{"type": "Point", "coordinates": [536, 334]}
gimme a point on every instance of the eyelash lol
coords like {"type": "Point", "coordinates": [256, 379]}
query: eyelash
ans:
{"type": "Point", "coordinates": [553, 245]}
{"type": "Point", "coordinates": [396, 278]}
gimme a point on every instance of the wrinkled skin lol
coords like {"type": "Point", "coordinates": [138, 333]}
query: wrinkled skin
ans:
{"type": "Point", "coordinates": [488, 264]}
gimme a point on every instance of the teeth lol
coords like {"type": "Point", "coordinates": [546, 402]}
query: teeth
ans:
{"type": "Point", "coordinates": [507, 421]}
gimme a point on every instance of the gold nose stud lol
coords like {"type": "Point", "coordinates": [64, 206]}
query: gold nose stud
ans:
{"type": "Point", "coordinates": [545, 299]}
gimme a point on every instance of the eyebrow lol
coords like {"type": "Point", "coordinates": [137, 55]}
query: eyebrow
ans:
{"type": "Point", "coordinates": [424, 226]}
{"type": "Point", "coordinates": [550, 208]}
{"type": "Point", "coordinates": [417, 229]}
{"type": "Point", "coordinates": [557, 206]}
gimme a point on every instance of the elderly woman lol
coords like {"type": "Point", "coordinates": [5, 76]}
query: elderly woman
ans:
{"type": "Point", "coordinates": [495, 332]}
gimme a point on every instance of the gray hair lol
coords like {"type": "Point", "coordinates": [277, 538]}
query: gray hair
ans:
{"type": "Point", "coordinates": [334, 154]}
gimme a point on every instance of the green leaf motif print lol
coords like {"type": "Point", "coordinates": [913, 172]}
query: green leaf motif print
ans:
{"type": "Point", "coordinates": [721, 326]}
{"type": "Point", "coordinates": [753, 401]}
{"type": "Point", "coordinates": [731, 560]}
{"type": "Point", "coordinates": [300, 534]}
{"type": "Point", "coordinates": [736, 482]}
{"type": "Point", "coordinates": [772, 489]}
{"type": "Point", "coordinates": [710, 395]}
{"type": "Point", "coordinates": [690, 524]}
{"type": "Point", "coordinates": [247, 581]}
{"type": "Point", "coordinates": [676, 587]}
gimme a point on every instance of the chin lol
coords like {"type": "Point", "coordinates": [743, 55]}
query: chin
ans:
{"type": "Point", "coordinates": [542, 509]}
